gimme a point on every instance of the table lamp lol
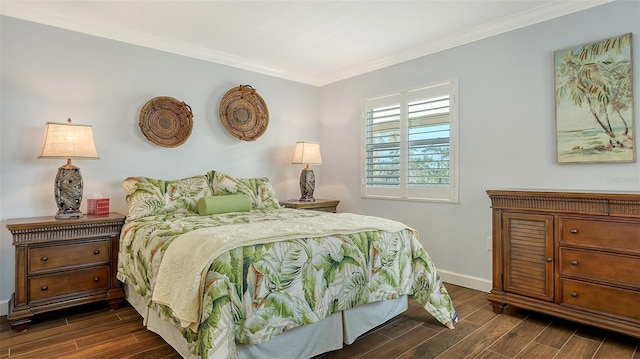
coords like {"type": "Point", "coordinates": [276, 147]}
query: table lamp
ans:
{"type": "Point", "coordinates": [67, 141]}
{"type": "Point", "coordinates": [307, 153]}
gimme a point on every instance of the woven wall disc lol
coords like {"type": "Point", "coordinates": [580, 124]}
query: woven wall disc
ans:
{"type": "Point", "coordinates": [244, 113]}
{"type": "Point", "coordinates": [166, 121]}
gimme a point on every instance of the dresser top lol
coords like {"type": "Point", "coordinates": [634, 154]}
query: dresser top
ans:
{"type": "Point", "coordinates": [565, 193]}
{"type": "Point", "coordinates": [619, 204]}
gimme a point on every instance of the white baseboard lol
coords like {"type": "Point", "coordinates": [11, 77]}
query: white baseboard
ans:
{"type": "Point", "coordinates": [4, 307]}
{"type": "Point", "coordinates": [466, 281]}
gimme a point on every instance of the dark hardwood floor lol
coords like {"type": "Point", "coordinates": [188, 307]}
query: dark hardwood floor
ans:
{"type": "Point", "coordinates": [94, 331]}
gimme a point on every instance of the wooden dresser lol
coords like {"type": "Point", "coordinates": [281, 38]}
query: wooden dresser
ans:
{"type": "Point", "coordinates": [574, 255]}
{"type": "Point", "coordinates": [61, 263]}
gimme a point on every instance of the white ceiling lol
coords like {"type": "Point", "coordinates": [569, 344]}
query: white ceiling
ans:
{"type": "Point", "coordinates": [313, 42]}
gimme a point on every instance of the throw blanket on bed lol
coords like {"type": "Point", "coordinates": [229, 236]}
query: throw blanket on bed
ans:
{"type": "Point", "coordinates": [184, 266]}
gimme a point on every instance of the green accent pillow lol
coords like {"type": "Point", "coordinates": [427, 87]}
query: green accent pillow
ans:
{"type": "Point", "coordinates": [151, 197]}
{"type": "Point", "coordinates": [224, 204]}
{"type": "Point", "coordinates": [262, 194]}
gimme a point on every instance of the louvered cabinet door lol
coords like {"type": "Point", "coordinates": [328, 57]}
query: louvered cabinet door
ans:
{"type": "Point", "coordinates": [528, 254]}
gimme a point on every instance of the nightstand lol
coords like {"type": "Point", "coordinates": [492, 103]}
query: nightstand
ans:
{"type": "Point", "coordinates": [324, 205]}
{"type": "Point", "coordinates": [62, 263]}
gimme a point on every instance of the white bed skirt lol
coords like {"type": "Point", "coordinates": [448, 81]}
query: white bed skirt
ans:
{"type": "Point", "coordinates": [301, 342]}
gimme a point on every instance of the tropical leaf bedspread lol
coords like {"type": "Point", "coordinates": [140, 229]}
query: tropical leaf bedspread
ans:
{"type": "Point", "coordinates": [253, 292]}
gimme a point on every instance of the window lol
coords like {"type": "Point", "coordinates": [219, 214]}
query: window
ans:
{"type": "Point", "coordinates": [410, 145]}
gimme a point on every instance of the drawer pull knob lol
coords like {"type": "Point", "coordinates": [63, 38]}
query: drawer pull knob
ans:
{"type": "Point", "coordinates": [44, 259]}
{"type": "Point", "coordinates": [573, 230]}
{"type": "Point", "coordinates": [574, 262]}
{"type": "Point", "coordinates": [574, 294]}
{"type": "Point", "coordinates": [549, 259]}
{"type": "Point", "coordinates": [96, 279]}
{"type": "Point", "coordinates": [96, 252]}
{"type": "Point", "coordinates": [44, 287]}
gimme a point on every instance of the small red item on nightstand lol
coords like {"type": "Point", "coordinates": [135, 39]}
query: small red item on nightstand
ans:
{"type": "Point", "coordinates": [97, 206]}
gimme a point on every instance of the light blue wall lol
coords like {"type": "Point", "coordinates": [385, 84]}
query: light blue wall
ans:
{"type": "Point", "coordinates": [507, 132]}
{"type": "Point", "coordinates": [506, 126]}
{"type": "Point", "coordinates": [49, 74]}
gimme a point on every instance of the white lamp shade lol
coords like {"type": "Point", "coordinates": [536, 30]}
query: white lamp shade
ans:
{"type": "Point", "coordinates": [71, 141]}
{"type": "Point", "coordinates": [307, 153]}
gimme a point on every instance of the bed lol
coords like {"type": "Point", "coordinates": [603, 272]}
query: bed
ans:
{"type": "Point", "coordinates": [251, 279]}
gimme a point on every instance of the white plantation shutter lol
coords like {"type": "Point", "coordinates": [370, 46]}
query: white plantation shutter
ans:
{"type": "Point", "coordinates": [409, 150]}
{"type": "Point", "coordinates": [383, 146]}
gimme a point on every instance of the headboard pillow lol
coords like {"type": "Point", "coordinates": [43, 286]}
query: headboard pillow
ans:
{"type": "Point", "coordinates": [224, 204]}
{"type": "Point", "coordinates": [149, 196]}
{"type": "Point", "coordinates": [260, 190]}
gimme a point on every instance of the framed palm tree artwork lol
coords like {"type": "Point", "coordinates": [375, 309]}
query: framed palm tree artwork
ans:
{"type": "Point", "coordinates": [594, 102]}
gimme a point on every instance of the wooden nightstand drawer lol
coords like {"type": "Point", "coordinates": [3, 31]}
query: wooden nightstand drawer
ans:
{"type": "Point", "coordinates": [54, 285]}
{"type": "Point", "coordinates": [605, 233]}
{"type": "Point", "coordinates": [605, 299]}
{"type": "Point", "coordinates": [324, 209]}
{"type": "Point", "coordinates": [604, 266]}
{"type": "Point", "coordinates": [42, 259]}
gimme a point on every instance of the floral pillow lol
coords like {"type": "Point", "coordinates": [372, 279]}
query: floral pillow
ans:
{"type": "Point", "coordinates": [150, 197]}
{"type": "Point", "coordinates": [262, 194]}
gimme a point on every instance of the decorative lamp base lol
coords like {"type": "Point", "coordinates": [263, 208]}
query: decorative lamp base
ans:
{"type": "Point", "coordinates": [68, 191]}
{"type": "Point", "coordinates": [307, 185]}
{"type": "Point", "coordinates": [69, 215]}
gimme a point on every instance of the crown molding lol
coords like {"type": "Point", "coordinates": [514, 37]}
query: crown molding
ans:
{"type": "Point", "coordinates": [539, 14]}
{"type": "Point", "coordinates": [28, 11]}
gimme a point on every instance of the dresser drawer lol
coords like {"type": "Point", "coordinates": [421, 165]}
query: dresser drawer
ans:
{"type": "Point", "coordinates": [601, 233]}
{"type": "Point", "coordinates": [57, 284]}
{"type": "Point", "coordinates": [601, 298]}
{"type": "Point", "coordinates": [604, 266]}
{"type": "Point", "coordinates": [48, 258]}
